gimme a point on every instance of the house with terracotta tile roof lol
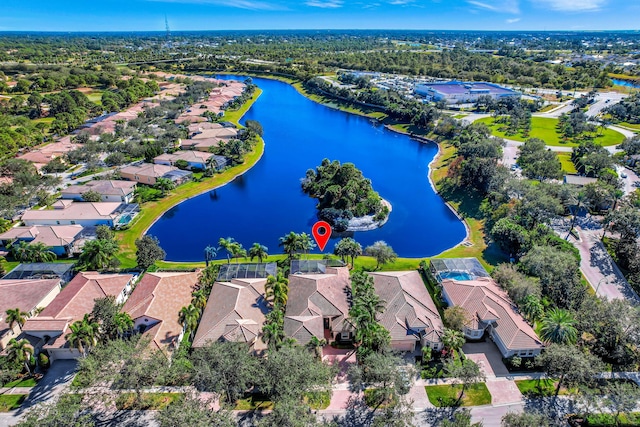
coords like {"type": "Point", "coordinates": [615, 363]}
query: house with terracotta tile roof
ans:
{"type": "Point", "coordinates": [410, 315]}
{"type": "Point", "coordinates": [155, 305]}
{"type": "Point", "coordinates": [28, 295]}
{"type": "Point", "coordinates": [148, 173]}
{"type": "Point", "coordinates": [63, 240]}
{"type": "Point", "coordinates": [109, 190]}
{"type": "Point", "coordinates": [235, 312]}
{"type": "Point", "coordinates": [70, 305]}
{"type": "Point", "coordinates": [195, 159]}
{"type": "Point", "coordinates": [490, 310]}
{"type": "Point", "coordinates": [87, 214]}
{"type": "Point", "coordinates": [315, 298]}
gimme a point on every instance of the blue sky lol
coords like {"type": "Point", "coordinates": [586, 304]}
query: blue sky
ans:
{"type": "Point", "coordinates": [148, 15]}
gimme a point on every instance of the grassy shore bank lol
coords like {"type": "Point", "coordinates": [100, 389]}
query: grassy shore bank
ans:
{"type": "Point", "coordinates": [151, 211]}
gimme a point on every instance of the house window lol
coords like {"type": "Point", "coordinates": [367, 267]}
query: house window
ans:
{"type": "Point", "coordinates": [58, 222]}
{"type": "Point", "coordinates": [73, 223]}
{"type": "Point", "coordinates": [344, 336]}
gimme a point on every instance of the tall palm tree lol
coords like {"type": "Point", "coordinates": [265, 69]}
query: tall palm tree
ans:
{"type": "Point", "coordinates": [305, 243]}
{"type": "Point", "coordinates": [188, 318]}
{"type": "Point", "coordinates": [20, 352]}
{"type": "Point", "coordinates": [15, 315]}
{"type": "Point", "coordinates": [452, 340]}
{"type": "Point", "coordinates": [32, 252]}
{"type": "Point", "coordinates": [316, 345]}
{"type": "Point", "coordinates": [97, 254]}
{"type": "Point", "coordinates": [226, 244]}
{"type": "Point", "coordinates": [558, 327]}
{"type": "Point", "coordinates": [258, 251]}
{"type": "Point", "coordinates": [277, 290]}
{"type": "Point", "coordinates": [290, 244]}
{"type": "Point", "coordinates": [84, 334]}
{"type": "Point", "coordinates": [199, 300]}
{"type": "Point", "coordinates": [210, 253]}
{"type": "Point", "coordinates": [123, 324]}
{"type": "Point", "coordinates": [272, 332]}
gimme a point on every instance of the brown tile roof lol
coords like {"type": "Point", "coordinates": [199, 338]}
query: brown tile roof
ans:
{"type": "Point", "coordinates": [161, 296]}
{"type": "Point", "coordinates": [48, 324]}
{"type": "Point", "coordinates": [105, 187]}
{"type": "Point", "coordinates": [302, 328]}
{"type": "Point", "coordinates": [187, 155]}
{"type": "Point", "coordinates": [24, 294]}
{"type": "Point", "coordinates": [49, 235]}
{"type": "Point", "coordinates": [322, 295]}
{"type": "Point", "coordinates": [408, 306]}
{"type": "Point", "coordinates": [74, 211]}
{"type": "Point", "coordinates": [78, 297]}
{"type": "Point", "coordinates": [235, 312]}
{"type": "Point", "coordinates": [148, 169]}
{"type": "Point", "coordinates": [485, 301]}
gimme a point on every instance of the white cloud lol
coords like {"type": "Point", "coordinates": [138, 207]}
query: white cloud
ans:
{"type": "Point", "coordinates": [240, 4]}
{"type": "Point", "coordinates": [512, 21]}
{"type": "Point", "coordinates": [325, 4]}
{"type": "Point", "coordinates": [506, 6]}
{"type": "Point", "coordinates": [400, 2]}
{"type": "Point", "coordinates": [572, 5]}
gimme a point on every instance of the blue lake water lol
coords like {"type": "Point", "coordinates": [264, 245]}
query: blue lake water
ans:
{"type": "Point", "coordinates": [625, 83]}
{"type": "Point", "coordinates": [267, 202]}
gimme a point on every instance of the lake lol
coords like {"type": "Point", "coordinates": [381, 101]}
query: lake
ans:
{"type": "Point", "coordinates": [267, 202]}
{"type": "Point", "coordinates": [627, 83]}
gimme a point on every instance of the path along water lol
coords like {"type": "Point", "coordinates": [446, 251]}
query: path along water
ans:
{"type": "Point", "coordinates": [267, 202]}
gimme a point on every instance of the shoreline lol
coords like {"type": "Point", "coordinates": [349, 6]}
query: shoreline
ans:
{"type": "Point", "coordinates": [295, 83]}
{"type": "Point", "coordinates": [371, 224]}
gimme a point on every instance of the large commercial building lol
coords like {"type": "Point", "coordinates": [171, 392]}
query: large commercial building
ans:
{"type": "Point", "coordinates": [463, 92]}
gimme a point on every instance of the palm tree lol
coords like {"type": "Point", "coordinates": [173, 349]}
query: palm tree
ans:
{"type": "Point", "coordinates": [272, 332]}
{"type": "Point", "coordinates": [305, 243]}
{"type": "Point", "coordinates": [577, 201]}
{"type": "Point", "coordinates": [453, 340]}
{"type": "Point", "coordinates": [277, 289]}
{"type": "Point", "coordinates": [32, 252]}
{"type": "Point", "coordinates": [84, 334]}
{"type": "Point", "coordinates": [226, 244]}
{"type": "Point", "coordinates": [188, 318]}
{"type": "Point", "coordinates": [348, 247]}
{"type": "Point", "coordinates": [316, 345]}
{"type": "Point", "coordinates": [258, 251]}
{"type": "Point", "coordinates": [290, 244]}
{"type": "Point", "coordinates": [15, 315]}
{"type": "Point", "coordinates": [531, 308]}
{"type": "Point", "coordinates": [208, 277]}
{"type": "Point", "coordinates": [123, 324]}
{"type": "Point", "coordinates": [97, 254]}
{"type": "Point", "coordinates": [210, 253]}
{"type": "Point", "coordinates": [557, 327]}
{"type": "Point", "coordinates": [20, 352]}
{"type": "Point", "coordinates": [199, 300]}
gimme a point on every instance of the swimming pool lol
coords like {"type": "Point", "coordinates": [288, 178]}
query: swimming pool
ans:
{"type": "Point", "coordinates": [455, 275]}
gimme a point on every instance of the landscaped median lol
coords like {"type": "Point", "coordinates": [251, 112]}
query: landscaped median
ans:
{"type": "Point", "coordinates": [9, 402]}
{"type": "Point", "coordinates": [151, 211]}
{"type": "Point", "coordinates": [448, 395]}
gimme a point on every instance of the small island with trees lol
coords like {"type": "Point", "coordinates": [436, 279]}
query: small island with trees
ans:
{"type": "Point", "coordinates": [346, 199]}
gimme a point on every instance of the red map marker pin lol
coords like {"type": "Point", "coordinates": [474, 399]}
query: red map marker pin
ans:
{"type": "Point", "coordinates": [321, 232]}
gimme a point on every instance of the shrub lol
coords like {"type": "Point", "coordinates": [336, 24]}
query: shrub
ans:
{"type": "Point", "coordinates": [43, 360]}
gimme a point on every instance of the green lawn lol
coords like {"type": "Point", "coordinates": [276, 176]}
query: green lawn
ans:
{"type": "Point", "coordinates": [545, 129]}
{"type": "Point", "coordinates": [253, 403]}
{"type": "Point", "coordinates": [540, 388]}
{"type": "Point", "coordinates": [633, 126]}
{"type": "Point", "coordinates": [29, 382]}
{"type": "Point", "coordinates": [460, 116]}
{"type": "Point", "coordinates": [567, 164]}
{"type": "Point", "coordinates": [318, 400]}
{"type": "Point", "coordinates": [447, 395]}
{"type": "Point", "coordinates": [9, 402]}
{"type": "Point", "coordinates": [148, 401]}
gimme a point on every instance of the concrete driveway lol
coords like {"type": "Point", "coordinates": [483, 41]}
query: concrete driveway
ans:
{"type": "Point", "coordinates": [487, 356]}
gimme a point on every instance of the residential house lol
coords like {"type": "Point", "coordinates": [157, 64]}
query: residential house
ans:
{"type": "Point", "coordinates": [148, 173]}
{"type": "Point", "coordinates": [235, 312]}
{"type": "Point", "coordinates": [490, 310]}
{"type": "Point", "coordinates": [195, 159]}
{"type": "Point", "coordinates": [63, 240]}
{"type": "Point", "coordinates": [315, 298]}
{"type": "Point", "coordinates": [87, 214]}
{"type": "Point", "coordinates": [155, 305]}
{"type": "Point", "coordinates": [410, 315]}
{"type": "Point", "coordinates": [109, 190]}
{"type": "Point", "coordinates": [579, 181]}
{"type": "Point", "coordinates": [70, 305]}
{"type": "Point", "coordinates": [28, 295]}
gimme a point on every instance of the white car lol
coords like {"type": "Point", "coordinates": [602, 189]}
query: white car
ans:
{"type": "Point", "coordinates": [623, 175]}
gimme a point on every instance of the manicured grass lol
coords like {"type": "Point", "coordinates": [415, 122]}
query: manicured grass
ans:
{"type": "Point", "coordinates": [548, 108]}
{"type": "Point", "coordinates": [148, 401]}
{"type": "Point", "coordinates": [540, 388]}
{"type": "Point", "coordinates": [9, 402]}
{"type": "Point", "coordinates": [460, 116]}
{"type": "Point", "coordinates": [375, 399]}
{"type": "Point", "coordinates": [567, 164]}
{"type": "Point", "coordinates": [545, 129]}
{"type": "Point", "coordinates": [235, 115]}
{"type": "Point", "coordinates": [633, 126]}
{"type": "Point", "coordinates": [152, 210]}
{"type": "Point", "coordinates": [28, 382]}
{"type": "Point", "coordinates": [447, 395]}
{"type": "Point", "coordinates": [254, 403]}
{"type": "Point", "coordinates": [318, 400]}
